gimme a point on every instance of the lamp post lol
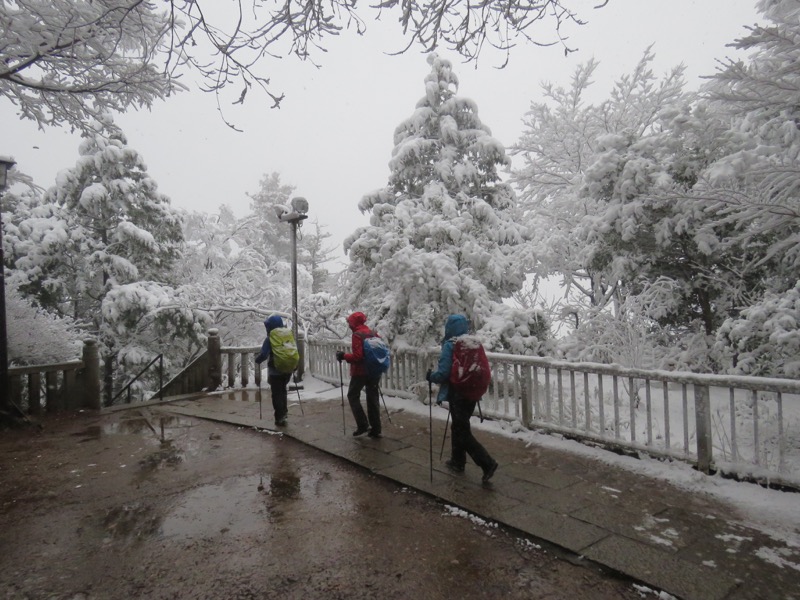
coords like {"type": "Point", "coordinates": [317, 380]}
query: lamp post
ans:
{"type": "Point", "coordinates": [295, 216]}
{"type": "Point", "coordinates": [5, 164]}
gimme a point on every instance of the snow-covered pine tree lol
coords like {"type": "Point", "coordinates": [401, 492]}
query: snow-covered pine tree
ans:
{"type": "Point", "coordinates": [560, 140]}
{"type": "Point", "coordinates": [444, 234]}
{"type": "Point", "coordinates": [101, 248]}
{"type": "Point", "coordinates": [239, 269]}
{"type": "Point", "coordinates": [755, 191]}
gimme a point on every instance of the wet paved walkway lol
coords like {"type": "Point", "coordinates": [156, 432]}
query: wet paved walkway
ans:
{"type": "Point", "coordinates": [688, 545]}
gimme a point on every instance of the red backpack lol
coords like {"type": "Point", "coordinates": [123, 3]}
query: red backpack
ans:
{"type": "Point", "coordinates": [470, 374]}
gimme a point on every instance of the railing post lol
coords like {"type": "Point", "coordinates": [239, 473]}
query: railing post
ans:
{"type": "Point", "coordinates": [245, 358]}
{"type": "Point", "coordinates": [702, 411]}
{"type": "Point", "coordinates": [35, 393]}
{"type": "Point", "coordinates": [214, 360]}
{"type": "Point", "coordinates": [91, 374]}
{"type": "Point", "coordinates": [527, 397]}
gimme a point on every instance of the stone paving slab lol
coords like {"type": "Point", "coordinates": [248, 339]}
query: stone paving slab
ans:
{"type": "Point", "coordinates": [688, 545]}
{"type": "Point", "coordinates": [661, 569]}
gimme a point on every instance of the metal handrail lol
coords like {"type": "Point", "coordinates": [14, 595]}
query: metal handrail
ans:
{"type": "Point", "coordinates": [160, 359]}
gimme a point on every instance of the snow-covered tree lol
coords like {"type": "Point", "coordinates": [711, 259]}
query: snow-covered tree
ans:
{"type": "Point", "coordinates": [66, 62]}
{"type": "Point", "coordinates": [63, 61]}
{"type": "Point", "coordinates": [764, 339]}
{"type": "Point", "coordinates": [444, 234]}
{"type": "Point", "coordinates": [230, 278]}
{"type": "Point", "coordinates": [560, 141]}
{"type": "Point", "coordinates": [755, 190]}
{"type": "Point", "coordinates": [100, 248]}
{"type": "Point", "coordinates": [702, 213]}
{"type": "Point", "coordinates": [36, 337]}
{"type": "Point", "coordinates": [267, 231]}
{"type": "Point", "coordinates": [240, 269]}
{"type": "Point", "coordinates": [654, 223]}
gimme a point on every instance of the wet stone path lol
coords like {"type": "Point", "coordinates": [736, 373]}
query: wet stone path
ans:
{"type": "Point", "coordinates": [149, 503]}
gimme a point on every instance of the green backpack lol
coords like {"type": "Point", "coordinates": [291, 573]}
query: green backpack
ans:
{"type": "Point", "coordinates": [285, 356]}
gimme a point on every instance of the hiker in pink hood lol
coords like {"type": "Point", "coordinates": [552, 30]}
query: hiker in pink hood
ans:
{"type": "Point", "coordinates": [359, 379]}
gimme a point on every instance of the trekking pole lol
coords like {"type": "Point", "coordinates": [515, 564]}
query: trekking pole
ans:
{"type": "Point", "coordinates": [300, 402]}
{"type": "Point", "coordinates": [341, 387]}
{"type": "Point", "coordinates": [430, 424]}
{"type": "Point", "coordinates": [384, 405]}
{"type": "Point", "coordinates": [260, 416]}
{"type": "Point", "coordinates": [446, 423]}
{"type": "Point", "coordinates": [480, 412]}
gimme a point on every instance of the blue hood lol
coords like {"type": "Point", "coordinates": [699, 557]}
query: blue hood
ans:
{"type": "Point", "coordinates": [455, 325]}
{"type": "Point", "coordinates": [273, 322]}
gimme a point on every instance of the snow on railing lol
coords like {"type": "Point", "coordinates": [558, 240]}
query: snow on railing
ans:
{"type": "Point", "coordinates": [747, 426]}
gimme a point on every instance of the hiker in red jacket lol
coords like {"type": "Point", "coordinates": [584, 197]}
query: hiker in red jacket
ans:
{"type": "Point", "coordinates": [371, 421]}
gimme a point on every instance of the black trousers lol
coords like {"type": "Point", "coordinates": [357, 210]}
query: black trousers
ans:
{"type": "Point", "coordinates": [277, 387]}
{"type": "Point", "coordinates": [463, 443]}
{"type": "Point", "coordinates": [372, 418]}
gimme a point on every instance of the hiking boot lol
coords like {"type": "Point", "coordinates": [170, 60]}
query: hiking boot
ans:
{"type": "Point", "coordinates": [281, 422]}
{"type": "Point", "coordinates": [489, 471]}
{"type": "Point", "coordinates": [454, 466]}
{"type": "Point", "coordinates": [374, 434]}
{"type": "Point", "coordinates": [360, 431]}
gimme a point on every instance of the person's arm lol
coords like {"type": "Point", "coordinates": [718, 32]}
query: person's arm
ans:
{"type": "Point", "coordinates": [442, 372]}
{"type": "Point", "coordinates": [266, 350]}
{"type": "Point", "coordinates": [357, 347]}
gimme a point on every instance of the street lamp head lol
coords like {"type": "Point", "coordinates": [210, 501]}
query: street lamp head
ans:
{"type": "Point", "coordinates": [300, 205]}
{"type": "Point", "coordinates": [280, 210]}
{"type": "Point", "coordinates": [6, 163]}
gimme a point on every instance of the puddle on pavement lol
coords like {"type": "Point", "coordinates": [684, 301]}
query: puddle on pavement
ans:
{"type": "Point", "coordinates": [248, 395]}
{"type": "Point", "coordinates": [167, 455]}
{"type": "Point", "coordinates": [161, 427]}
{"type": "Point", "coordinates": [244, 505]}
{"type": "Point", "coordinates": [131, 521]}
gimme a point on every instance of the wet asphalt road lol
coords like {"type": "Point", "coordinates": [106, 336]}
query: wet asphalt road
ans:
{"type": "Point", "coordinates": [134, 504]}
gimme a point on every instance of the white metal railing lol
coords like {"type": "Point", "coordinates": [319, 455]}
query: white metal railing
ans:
{"type": "Point", "coordinates": [748, 426]}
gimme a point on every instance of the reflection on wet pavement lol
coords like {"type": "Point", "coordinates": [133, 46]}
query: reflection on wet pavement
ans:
{"type": "Point", "coordinates": [296, 490]}
{"type": "Point", "coordinates": [136, 423]}
{"type": "Point", "coordinates": [131, 521]}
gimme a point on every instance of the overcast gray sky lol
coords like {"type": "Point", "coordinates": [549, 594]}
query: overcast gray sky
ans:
{"type": "Point", "coordinates": [332, 136]}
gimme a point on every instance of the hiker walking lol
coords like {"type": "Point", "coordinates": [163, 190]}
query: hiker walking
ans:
{"type": "Point", "coordinates": [463, 443]}
{"type": "Point", "coordinates": [280, 351]}
{"type": "Point", "coordinates": [360, 378]}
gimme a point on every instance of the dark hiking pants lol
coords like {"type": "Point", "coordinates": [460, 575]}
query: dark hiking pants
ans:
{"type": "Point", "coordinates": [372, 418]}
{"type": "Point", "coordinates": [463, 442]}
{"type": "Point", "coordinates": [277, 386]}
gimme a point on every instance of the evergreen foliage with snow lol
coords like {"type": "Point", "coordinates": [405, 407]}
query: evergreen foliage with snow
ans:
{"type": "Point", "coordinates": [444, 234]}
{"type": "Point", "coordinates": [240, 269]}
{"type": "Point", "coordinates": [36, 337]}
{"type": "Point", "coordinates": [686, 215]}
{"type": "Point", "coordinates": [100, 248]}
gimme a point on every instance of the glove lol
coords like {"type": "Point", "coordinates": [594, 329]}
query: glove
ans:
{"type": "Point", "coordinates": [340, 355]}
{"type": "Point", "coordinates": [428, 375]}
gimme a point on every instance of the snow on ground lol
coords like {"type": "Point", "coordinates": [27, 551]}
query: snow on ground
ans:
{"type": "Point", "coordinates": [772, 512]}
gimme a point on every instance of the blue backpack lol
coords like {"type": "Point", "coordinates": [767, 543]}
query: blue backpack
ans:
{"type": "Point", "coordinates": [376, 356]}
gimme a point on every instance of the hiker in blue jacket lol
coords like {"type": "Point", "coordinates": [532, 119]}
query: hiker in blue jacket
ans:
{"type": "Point", "coordinates": [461, 409]}
{"type": "Point", "coordinates": [277, 380]}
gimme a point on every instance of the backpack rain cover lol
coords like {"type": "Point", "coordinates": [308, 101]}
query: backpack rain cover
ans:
{"type": "Point", "coordinates": [376, 356]}
{"type": "Point", "coordinates": [285, 356]}
{"type": "Point", "coordinates": [470, 374]}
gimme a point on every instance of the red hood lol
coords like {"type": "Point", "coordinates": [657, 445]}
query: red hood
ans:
{"type": "Point", "coordinates": [356, 320]}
